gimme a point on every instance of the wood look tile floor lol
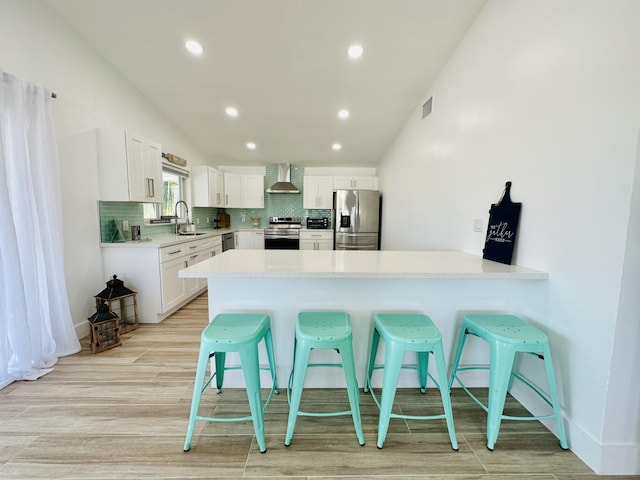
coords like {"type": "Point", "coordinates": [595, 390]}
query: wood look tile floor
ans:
{"type": "Point", "coordinates": [122, 414]}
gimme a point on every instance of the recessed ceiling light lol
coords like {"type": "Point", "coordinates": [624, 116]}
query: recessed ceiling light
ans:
{"type": "Point", "coordinates": [251, 145]}
{"type": "Point", "coordinates": [355, 51]}
{"type": "Point", "coordinates": [231, 111]}
{"type": "Point", "coordinates": [194, 47]}
{"type": "Point", "coordinates": [343, 114]}
{"type": "Point", "coordinates": [336, 146]}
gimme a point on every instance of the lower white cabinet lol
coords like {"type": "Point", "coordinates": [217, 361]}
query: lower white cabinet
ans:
{"type": "Point", "coordinates": [316, 240]}
{"type": "Point", "coordinates": [174, 288]}
{"type": "Point", "coordinates": [152, 273]}
{"type": "Point", "coordinates": [249, 239]}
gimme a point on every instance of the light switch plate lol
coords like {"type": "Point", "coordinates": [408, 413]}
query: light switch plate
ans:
{"type": "Point", "coordinates": [125, 224]}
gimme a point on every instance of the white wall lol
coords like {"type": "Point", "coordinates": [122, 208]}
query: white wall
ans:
{"type": "Point", "coordinates": [544, 94]}
{"type": "Point", "coordinates": [36, 46]}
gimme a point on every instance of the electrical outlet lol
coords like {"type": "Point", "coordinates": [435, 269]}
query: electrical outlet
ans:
{"type": "Point", "coordinates": [477, 225]}
{"type": "Point", "coordinates": [208, 220]}
{"type": "Point", "coordinates": [197, 221]}
{"type": "Point", "coordinates": [125, 224]}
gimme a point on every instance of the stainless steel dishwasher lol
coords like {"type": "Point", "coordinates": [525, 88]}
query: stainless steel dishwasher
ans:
{"type": "Point", "coordinates": [227, 242]}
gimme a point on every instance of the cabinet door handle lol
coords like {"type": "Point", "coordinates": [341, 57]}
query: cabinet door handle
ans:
{"type": "Point", "coordinates": [173, 253]}
{"type": "Point", "coordinates": [193, 256]}
{"type": "Point", "coordinates": [153, 188]}
{"type": "Point", "coordinates": [226, 199]}
{"type": "Point", "coordinates": [193, 246]}
{"type": "Point", "coordinates": [185, 264]}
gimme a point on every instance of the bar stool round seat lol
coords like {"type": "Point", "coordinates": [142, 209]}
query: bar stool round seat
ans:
{"type": "Point", "coordinates": [507, 335]}
{"type": "Point", "coordinates": [407, 332]}
{"type": "Point", "coordinates": [322, 330]}
{"type": "Point", "coordinates": [241, 333]}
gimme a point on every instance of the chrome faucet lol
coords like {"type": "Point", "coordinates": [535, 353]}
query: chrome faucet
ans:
{"type": "Point", "coordinates": [175, 213]}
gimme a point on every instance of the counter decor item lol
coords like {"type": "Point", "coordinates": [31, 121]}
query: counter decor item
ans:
{"type": "Point", "coordinates": [105, 329]}
{"type": "Point", "coordinates": [117, 235]}
{"type": "Point", "coordinates": [224, 220]}
{"type": "Point", "coordinates": [135, 232]}
{"type": "Point", "coordinates": [255, 222]}
{"type": "Point", "coordinates": [502, 228]}
{"type": "Point", "coordinates": [122, 302]}
{"type": "Point", "coordinates": [176, 160]}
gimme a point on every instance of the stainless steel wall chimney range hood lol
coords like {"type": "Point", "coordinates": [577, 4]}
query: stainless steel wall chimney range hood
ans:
{"type": "Point", "coordinates": [283, 185]}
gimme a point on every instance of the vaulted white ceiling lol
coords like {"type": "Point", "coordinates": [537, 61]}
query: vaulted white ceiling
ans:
{"type": "Point", "coordinates": [282, 64]}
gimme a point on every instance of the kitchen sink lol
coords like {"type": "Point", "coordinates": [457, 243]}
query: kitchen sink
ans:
{"type": "Point", "coordinates": [191, 234]}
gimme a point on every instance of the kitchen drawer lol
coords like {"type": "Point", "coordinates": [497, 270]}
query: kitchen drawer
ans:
{"type": "Point", "coordinates": [316, 234]}
{"type": "Point", "coordinates": [203, 244]}
{"type": "Point", "coordinates": [174, 251]}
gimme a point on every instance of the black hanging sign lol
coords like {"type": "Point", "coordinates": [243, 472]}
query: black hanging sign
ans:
{"type": "Point", "coordinates": [502, 228]}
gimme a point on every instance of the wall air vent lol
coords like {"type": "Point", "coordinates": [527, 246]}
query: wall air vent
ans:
{"type": "Point", "coordinates": [426, 107]}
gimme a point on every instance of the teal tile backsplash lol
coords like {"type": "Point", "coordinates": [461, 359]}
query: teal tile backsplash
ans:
{"type": "Point", "coordinates": [275, 205]}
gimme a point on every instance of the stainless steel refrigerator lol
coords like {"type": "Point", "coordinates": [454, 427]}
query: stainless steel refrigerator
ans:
{"type": "Point", "coordinates": [357, 219]}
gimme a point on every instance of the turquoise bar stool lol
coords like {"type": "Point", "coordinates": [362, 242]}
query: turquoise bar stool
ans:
{"type": "Point", "coordinates": [407, 332]}
{"type": "Point", "coordinates": [507, 335]}
{"type": "Point", "coordinates": [322, 330]}
{"type": "Point", "coordinates": [235, 332]}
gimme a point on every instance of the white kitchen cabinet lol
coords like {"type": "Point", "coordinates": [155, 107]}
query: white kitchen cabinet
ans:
{"type": "Point", "coordinates": [317, 192]}
{"type": "Point", "coordinates": [129, 167]}
{"type": "Point", "coordinates": [243, 191]}
{"type": "Point", "coordinates": [207, 187]}
{"type": "Point", "coordinates": [174, 288]}
{"type": "Point", "coordinates": [152, 272]}
{"type": "Point", "coordinates": [316, 240]}
{"type": "Point", "coordinates": [233, 190]}
{"type": "Point", "coordinates": [252, 191]}
{"type": "Point", "coordinates": [355, 182]}
{"type": "Point", "coordinates": [249, 239]}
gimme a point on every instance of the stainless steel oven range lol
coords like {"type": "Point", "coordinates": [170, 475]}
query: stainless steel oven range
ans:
{"type": "Point", "coordinates": [283, 233]}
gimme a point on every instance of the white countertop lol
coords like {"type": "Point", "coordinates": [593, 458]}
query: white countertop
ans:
{"type": "Point", "coordinates": [355, 264]}
{"type": "Point", "coordinates": [167, 239]}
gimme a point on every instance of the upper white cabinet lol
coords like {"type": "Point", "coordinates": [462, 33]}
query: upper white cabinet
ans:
{"type": "Point", "coordinates": [253, 191]}
{"type": "Point", "coordinates": [129, 167]}
{"type": "Point", "coordinates": [317, 192]}
{"type": "Point", "coordinates": [243, 190]}
{"type": "Point", "coordinates": [233, 190]}
{"type": "Point", "coordinates": [356, 182]}
{"type": "Point", "coordinates": [207, 187]}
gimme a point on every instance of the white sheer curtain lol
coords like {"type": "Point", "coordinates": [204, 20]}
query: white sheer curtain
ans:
{"type": "Point", "coordinates": [35, 322]}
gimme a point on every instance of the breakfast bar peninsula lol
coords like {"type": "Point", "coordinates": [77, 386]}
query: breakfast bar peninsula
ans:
{"type": "Point", "coordinates": [442, 285]}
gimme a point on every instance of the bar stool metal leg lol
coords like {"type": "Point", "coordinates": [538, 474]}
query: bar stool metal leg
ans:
{"type": "Point", "coordinates": [401, 333]}
{"type": "Point", "coordinates": [507, 336]}
{"type": "Point", "coordinates": [234, 332]}
{"type": "Point", "coordinates": [329, 331]}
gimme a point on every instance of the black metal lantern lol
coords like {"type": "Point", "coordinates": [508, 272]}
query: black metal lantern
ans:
{"type": "Point", "coordinates": [105, 328]}
{"type": "Point", "coordinates": [122, 301]}
{"type": "Point", "coordinates": [115, 288]}
{"type": "Point", "coordinates": [102, 313]}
